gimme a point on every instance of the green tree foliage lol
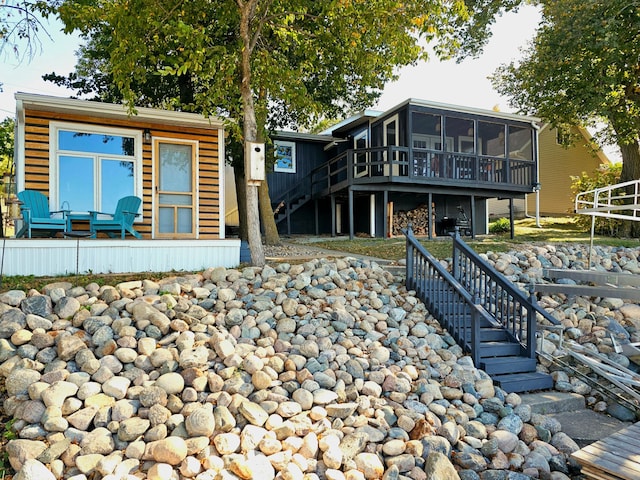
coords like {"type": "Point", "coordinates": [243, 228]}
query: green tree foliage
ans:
{"type": "Point", "coordinates": [7, 128]}
{"type": "Point", "coordinates": [583, 69]}
{"type": "Point", "coordinates": [605, 175]}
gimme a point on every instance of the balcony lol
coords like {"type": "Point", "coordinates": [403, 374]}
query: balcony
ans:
{"type": "Point", "coordinates": [392, 165]}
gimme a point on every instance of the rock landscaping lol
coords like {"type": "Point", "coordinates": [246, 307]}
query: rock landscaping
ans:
{"type": "Point", "coordinates": [328, 369]}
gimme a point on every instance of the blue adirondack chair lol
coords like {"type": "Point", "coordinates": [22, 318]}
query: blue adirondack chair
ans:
{"type": "Point", "coordinates": [119, 223]}
{"type": "Point", "coordinates": [37, 217]}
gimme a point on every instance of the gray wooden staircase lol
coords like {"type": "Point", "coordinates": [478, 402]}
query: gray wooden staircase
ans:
{"type": "Point", "coordinates": [488, 316]}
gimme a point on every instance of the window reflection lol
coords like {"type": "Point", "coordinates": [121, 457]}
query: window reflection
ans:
{"type": "Point", "coordinates": [96, 143]}
{"type": "Point", "coordinates": [491, 138]}
{"type": "Point", "coordinates": [95, 176]}
{"type": "Point", "coordinates": [461, 131]}
{"type": "Point", "coordinates": [520, 143]}
{"type": "Point", "coordinates": [117, 182]}
{"type": "Point", "coordinates": [76, 182]}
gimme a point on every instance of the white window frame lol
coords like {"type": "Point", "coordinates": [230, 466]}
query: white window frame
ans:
{"type": "Point", "coordinates": [55, 151]}
{"type": "Point", "coordinates": [284, 143]}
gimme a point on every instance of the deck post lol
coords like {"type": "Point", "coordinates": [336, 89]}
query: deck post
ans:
{"type": "Point", "coordinates": [430, 226]}
{"type": "Point", "coordinates": [333, 215]}
{"type": "Point", "coordinates": [315, 208]}
{"type": "Point", "coordinates": [409, 264]}
{"type": "Point", "coordinates": [511, 224]}
{"type": "Point", "coordinates": [351, 216]}
{"type": "Point", "coordinates": [531, 324]}
{"type": "Point", "coordinates": [473, 216]}
{"type": "Point", "coordinates": [385, 218]}
{"type": "Point", "coordinates": [475, 332]}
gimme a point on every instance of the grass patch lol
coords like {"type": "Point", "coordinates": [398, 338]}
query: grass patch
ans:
{"type": "Point", "coordinates": [551, 231]}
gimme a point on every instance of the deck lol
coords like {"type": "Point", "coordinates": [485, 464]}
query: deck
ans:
{"type": "Point", "coordinates": [392, 165]}
{"type": "Point", "coordinates": [616, 457]}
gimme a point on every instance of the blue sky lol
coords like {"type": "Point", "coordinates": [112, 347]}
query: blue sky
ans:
{"type": "Point", "coordinates": [446, 82]}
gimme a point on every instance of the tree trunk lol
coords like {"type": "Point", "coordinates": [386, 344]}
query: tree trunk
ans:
{"type": "Point", "coordinates": [250, 130]}
{"type": "Point", "coordinates": [630, 162]}
{"type": "Point", "coordinates": [269, 228]}
{"type": "Point", "coordinates": [271, 236]}
{"type": "Point", "coordinates": [241, 198]}
{"type": "Point", "coordinates": [630, 171]}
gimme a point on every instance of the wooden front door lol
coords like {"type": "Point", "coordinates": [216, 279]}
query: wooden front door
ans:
{"type": "Point", "coordinates": [175, 196]}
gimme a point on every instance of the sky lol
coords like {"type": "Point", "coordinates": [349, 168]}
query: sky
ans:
{"type": "Point", "coordinates": [445, 82]}
{"type": "Point", "coordinates": [466, 83]}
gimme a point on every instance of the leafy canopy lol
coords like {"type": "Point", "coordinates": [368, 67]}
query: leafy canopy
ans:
{"type": "Point", "coordinates": [309, 59]}
{"type": "Point", "coordinates": [582, 68]}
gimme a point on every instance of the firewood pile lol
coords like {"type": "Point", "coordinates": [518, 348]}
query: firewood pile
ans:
{"type": "Point", "coordinates": [417, 217]}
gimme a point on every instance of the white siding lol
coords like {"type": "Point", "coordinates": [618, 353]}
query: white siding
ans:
{"type": "Point", "coordinates": [44, 257]}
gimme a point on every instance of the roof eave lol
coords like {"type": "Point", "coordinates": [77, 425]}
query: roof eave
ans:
{"type": "Point", "coordinates": [114, 111]}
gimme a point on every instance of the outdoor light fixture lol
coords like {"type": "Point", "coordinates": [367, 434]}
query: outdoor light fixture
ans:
{"type": "Point", "coordinates": [146, 135]}
{"type": "Point", "coordinates": [536, 186]}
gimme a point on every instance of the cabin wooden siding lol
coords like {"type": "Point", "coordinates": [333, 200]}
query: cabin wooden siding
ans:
{"type": "Point", "coordinates": [557, 165]}
{"type": "Point", "coordinates": [36, 168]}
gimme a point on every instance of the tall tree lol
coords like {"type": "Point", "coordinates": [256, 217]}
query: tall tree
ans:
{"type": "Point", "coordinates": [288, 61]}
{"type": "Point", "coordinates": [583, 68]}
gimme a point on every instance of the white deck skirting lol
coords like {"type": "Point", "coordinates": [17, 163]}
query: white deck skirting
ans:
{"type": "Point", "coordinates": [48, 257]}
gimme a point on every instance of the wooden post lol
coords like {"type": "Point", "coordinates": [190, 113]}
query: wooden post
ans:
{"type": "Point", "coordinates": [513, 229]}
{"type": "Point", "coordinates": [333, 215]}
{"type": "Point", "coordinates": [351, 215]}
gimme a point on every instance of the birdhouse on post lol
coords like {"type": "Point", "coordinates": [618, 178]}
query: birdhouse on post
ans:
{"type": "Point", "coordinates": [254, 163]}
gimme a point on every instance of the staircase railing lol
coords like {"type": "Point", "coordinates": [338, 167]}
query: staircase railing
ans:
{"type": "Point", "coordinates": [508, 305]}
{"type": "Point", "coordinates": [472, 286]}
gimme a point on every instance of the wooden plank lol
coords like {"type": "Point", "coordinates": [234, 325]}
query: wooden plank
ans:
{"type": "Point", "coordinates": [595, 474]}
{"type": "Point", "coordinates": [601, 278]}
{"type": "Point", "coordinates": [621, 445]}
{"type": "Point", "coordinates": [608, 463]}
{"type": "Point", "coordinates": [613, 455]}
{"type": "Point", "coordinates": [588, 290]}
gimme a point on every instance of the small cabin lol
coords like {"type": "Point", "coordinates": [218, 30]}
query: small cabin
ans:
{"type": "Point", "coordinates": [84, 156]}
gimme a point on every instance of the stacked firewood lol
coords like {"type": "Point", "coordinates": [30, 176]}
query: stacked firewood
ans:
{"type": "Point", "coordinates": [417, 217]}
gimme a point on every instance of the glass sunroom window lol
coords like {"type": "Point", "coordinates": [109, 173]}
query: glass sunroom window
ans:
{"type": "Point", "coordinates": [520, 143]}
{"type": "Point", "coordinates": [94, 169]}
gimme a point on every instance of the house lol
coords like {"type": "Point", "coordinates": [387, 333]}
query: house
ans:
{"type": "Point", "coordinates": [560, 159]}
{"type": "Point", "coordinates": [86, 155]}
{"type": "Point", "coordinates": [362, 175]}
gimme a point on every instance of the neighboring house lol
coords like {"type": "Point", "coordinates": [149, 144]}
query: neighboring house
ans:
{"type": "Point", "coordinates": [86, 155]}
{"type": "Point", "coordinates": [558, 163]}
{"type": "Point", "coordinates": [559, 160]}
{"type": "Point", "coordinates": [358, 176]}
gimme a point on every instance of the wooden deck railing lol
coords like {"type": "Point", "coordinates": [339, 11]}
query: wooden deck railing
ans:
{"type": "Point", "coordinates": [400, 164]}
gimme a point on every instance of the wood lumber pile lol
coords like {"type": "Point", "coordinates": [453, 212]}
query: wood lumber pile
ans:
{"type": "Point", "coordinates": [418, 219]}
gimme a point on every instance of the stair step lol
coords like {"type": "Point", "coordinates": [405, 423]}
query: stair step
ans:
{"type": "Point", "coordinates": [491, 335]}
{"type": "Point", "coordinates": [523, 382]}
{"type": "Point", "coordinates": [501, 365]}
{"type": "Point", "coordinates": [499, 349]}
